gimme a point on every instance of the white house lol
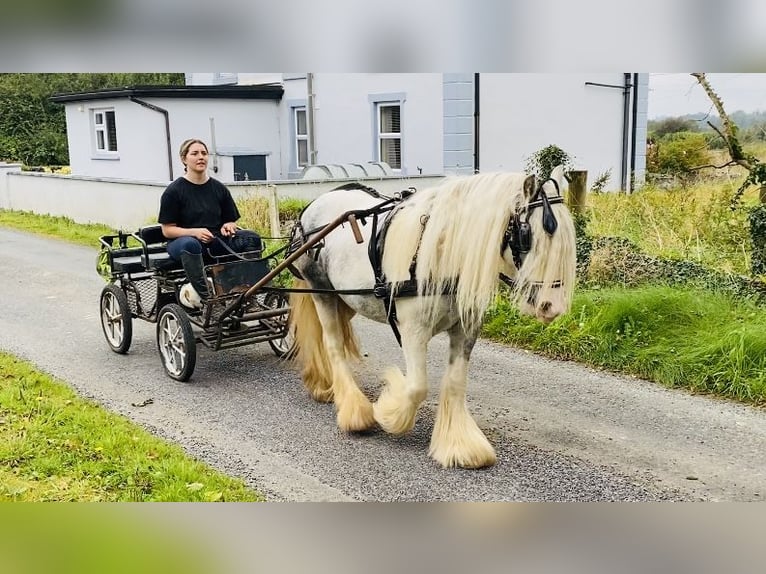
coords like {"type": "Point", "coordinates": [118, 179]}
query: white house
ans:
{"type": "Point", "coordinates": [272, 126]}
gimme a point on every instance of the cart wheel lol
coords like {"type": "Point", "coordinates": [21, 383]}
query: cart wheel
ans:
{"type": "Point", "coordinates": [284, 347]}
{"type": "Point", "coordinates": [176, 342]}
{"type": "Point", "coordinates": [116, 320]}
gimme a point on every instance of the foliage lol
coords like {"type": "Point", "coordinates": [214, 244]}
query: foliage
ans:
{"type": "Point", "coordinates": [695, 224]}
{"type": "Point", "coordinates": [55, 446]}
{"type": "Point", "coordinates": [602, 179]}
{"type": "Point", "coordinates": [542, 162]}
{"type": "Point", "coordinates": [33, 129]}
{"type": "Point", "coordinates": [678, 154]}
{"type": "Point", "coordinates": [757, 219]}
{"type": "Point", "coordinates": [658, 129]}
{"type": "Point", "coordinates": [680, 337]}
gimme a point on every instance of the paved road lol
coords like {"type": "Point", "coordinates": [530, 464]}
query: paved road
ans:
{"type": "Point", "coordinates": [563, 432]}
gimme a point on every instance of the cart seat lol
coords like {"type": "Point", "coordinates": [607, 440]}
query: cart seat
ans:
{"type": "Point", "coordinates": [156, 257]}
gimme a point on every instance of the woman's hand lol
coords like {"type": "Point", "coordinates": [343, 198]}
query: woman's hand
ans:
{"type": "Point", "coordinates": [203, 234]}
{"type": "Point", "coordinates": [228, 229]}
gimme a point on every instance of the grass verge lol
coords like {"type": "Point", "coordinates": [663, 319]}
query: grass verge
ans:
{"type": "Point", "coordinates": [55, 446]}
{"type": "Point", "coordinates": [680, 337]}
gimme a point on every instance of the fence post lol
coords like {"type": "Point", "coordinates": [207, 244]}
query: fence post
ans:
{"type": "Point", "coordinates": [276, 231]}
{"type": "Point", "coordinates": [578, 185]}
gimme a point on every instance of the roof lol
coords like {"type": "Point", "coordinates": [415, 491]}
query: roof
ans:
{"type": "Point", "coordinates": [254, 92]}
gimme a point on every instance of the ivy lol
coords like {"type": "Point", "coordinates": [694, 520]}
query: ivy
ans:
{"type": "Point", "coordinates": [542, 162]}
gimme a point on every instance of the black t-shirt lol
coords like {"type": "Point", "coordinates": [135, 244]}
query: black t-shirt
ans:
{"type": "Point", "coordinates": [188, 204]}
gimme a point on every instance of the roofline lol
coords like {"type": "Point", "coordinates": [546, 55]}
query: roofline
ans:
{"type": "Point", "coordinates": [254, 92]}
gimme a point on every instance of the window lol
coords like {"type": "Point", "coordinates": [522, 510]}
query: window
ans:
{"type": "Point", "coordinates": [390, 134]}
{"type": "Point", "coordinates": [105, 131]}
{"type": "Point", "coordinates": [301, 137]}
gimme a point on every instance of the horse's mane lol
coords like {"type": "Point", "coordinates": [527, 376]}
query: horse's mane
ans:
{"type": "Point", "coordinates": [466, 219]}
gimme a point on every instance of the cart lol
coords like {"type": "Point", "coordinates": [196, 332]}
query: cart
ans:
{"type": "Point", "coordinates": [144, 283]}
{"type": "Point", "coordinates": [246, 308]}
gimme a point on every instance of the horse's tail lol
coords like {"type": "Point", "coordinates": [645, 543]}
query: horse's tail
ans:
{"type": "Point", "coordinates": [317, 370]}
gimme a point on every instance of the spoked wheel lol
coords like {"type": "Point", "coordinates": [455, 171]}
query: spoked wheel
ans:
{"type": "Point", "coordinates": [284, 347]}
{"type": "Point", "coordinates": [116, 320]}
{"type": "Point", "coordinates": [176, 342]}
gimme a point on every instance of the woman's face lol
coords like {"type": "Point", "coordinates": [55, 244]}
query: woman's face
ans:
{"type": "Point", "coordinates": [196, 158]}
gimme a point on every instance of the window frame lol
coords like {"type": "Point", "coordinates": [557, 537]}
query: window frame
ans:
{"type": "Point", "coordinates": [294, 169]}
{"type": "Point", "coordinates": [100, 133]}
{"type": "Point", "coordinates": [300, 137]}
{"type": "Point", "coordinates": [379, 102]}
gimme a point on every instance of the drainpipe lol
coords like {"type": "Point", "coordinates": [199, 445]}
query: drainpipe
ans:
{"type": "Point", "coordinates": [476, 123]}
{"type": "Point", "coordinates": [625, 124]}
{"type": "Point", "coordinates": [625, 134]}
{"type": "Point", "coordinates": [310, 119]}
{"type": "Point", "coordinates": [165, 113]}
{"type": "Point", "coordinates": [633, 133]}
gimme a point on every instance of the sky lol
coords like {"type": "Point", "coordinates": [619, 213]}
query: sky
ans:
{"type": "Point", "coordinates": [679, 94]}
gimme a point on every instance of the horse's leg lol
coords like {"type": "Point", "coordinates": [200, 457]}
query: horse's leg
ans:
{"type": "Point", "coordinates": [457, 440]}
{"type": "Point", "coordinates": [316, 368]}
{"type": "Point", "coordinates": [354, 410]}
{"type": "Point", "coordinates": [397, 405]}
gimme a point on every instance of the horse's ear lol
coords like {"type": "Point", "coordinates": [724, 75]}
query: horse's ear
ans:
{"type": "Point", "coordinates": [529, 186]}
{"type": "Point", "coordinates": [557, 175]}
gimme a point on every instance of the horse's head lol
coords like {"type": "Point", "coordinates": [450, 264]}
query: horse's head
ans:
{"type": "Point", "coordinates": [539, 248]}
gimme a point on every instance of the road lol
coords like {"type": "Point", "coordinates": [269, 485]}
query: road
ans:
{"type": "Point", "coordinates": [563, 432]}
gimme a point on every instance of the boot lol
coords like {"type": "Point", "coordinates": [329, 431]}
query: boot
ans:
{"type": "Point", "coordinates": [194, 267]}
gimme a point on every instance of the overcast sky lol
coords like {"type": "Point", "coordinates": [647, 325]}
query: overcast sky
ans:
{"type": "Point", "coordinates": [679, 94]}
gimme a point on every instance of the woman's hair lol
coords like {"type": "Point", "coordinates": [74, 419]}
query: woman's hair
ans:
{"type": "Point", "coordinates": [187, 144]}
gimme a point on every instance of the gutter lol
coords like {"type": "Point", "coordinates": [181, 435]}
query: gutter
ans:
{"type": "Point", "coordinates": [165, 113]}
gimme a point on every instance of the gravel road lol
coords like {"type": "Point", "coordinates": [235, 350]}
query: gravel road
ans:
{"type": "Point", "coordinates": [563, 432]}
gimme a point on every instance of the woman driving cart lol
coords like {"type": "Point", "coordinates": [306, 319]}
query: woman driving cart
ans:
{"type": "Point", "coordinates": [198, 217]}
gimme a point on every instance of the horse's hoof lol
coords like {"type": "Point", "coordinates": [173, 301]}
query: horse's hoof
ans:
{"type": "Point", "coordinates": [478, 459]}
{"type": "Point", "coordinates": [321, 395]}
{"type": "Point", "coordinates": [357, 417]}
{"type": "Point", "coordinates": [395, 421]}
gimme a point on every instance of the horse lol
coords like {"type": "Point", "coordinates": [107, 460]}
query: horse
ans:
{"type": "Point", "coordinates": [444, 250]}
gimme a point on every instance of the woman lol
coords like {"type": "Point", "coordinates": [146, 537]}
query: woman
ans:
{"type": "Point", "coordinates": [198, 215]}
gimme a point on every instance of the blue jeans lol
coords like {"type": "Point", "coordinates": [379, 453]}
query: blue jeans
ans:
{"type": "Point", "coordinates": [243, 241]}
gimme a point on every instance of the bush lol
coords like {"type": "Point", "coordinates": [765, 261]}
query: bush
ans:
{"type": "Point", "coordinates": [678, 154]}
{"type": "Point", "coordinates": [542, 162]}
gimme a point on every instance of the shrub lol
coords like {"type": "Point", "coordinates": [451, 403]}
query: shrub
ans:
{"type": "Point", "coordinates": [542, 162]}
{"type": "Point", "coordinates": [678, 154]}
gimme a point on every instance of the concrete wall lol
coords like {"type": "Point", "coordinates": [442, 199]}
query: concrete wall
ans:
{"type": "Point", "coordinates": [128, 205]}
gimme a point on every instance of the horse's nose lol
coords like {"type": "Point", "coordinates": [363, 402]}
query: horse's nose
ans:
{"type": "Point", "coordinates": [546, 312]}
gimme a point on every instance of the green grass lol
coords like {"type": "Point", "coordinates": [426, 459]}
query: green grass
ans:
{"type": "Point", "coordinates": [694, 224]}
{"type": "Point", "coordinates": [55, 226]}
{"type": "Point", "coordinates": [687, 338]}
{"type": "Point", "coordinates": [55, 446]}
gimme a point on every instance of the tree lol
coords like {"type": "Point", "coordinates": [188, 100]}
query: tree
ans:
{"type": "Point", "coordinates": [729, 133]}
{"type": "Point", "coordinates": [33, 129]}
{"type": "Point", "coordinates": [661, 128]}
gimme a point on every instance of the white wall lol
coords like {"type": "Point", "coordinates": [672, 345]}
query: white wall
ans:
{"type": "Point", "coordinates": [344, 117]}
{"type": "Point", "coordinates": [127, 205]}
{"type": "Point", "coordinates": [522, 113]}
{"type": "Point", "coordinates": [241, 127]}
{"type": "Point", "coordinates": [141, 146]}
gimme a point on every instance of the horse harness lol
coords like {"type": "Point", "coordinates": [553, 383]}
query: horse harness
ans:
{"type": "Point", "coordinates": [517, 237]}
